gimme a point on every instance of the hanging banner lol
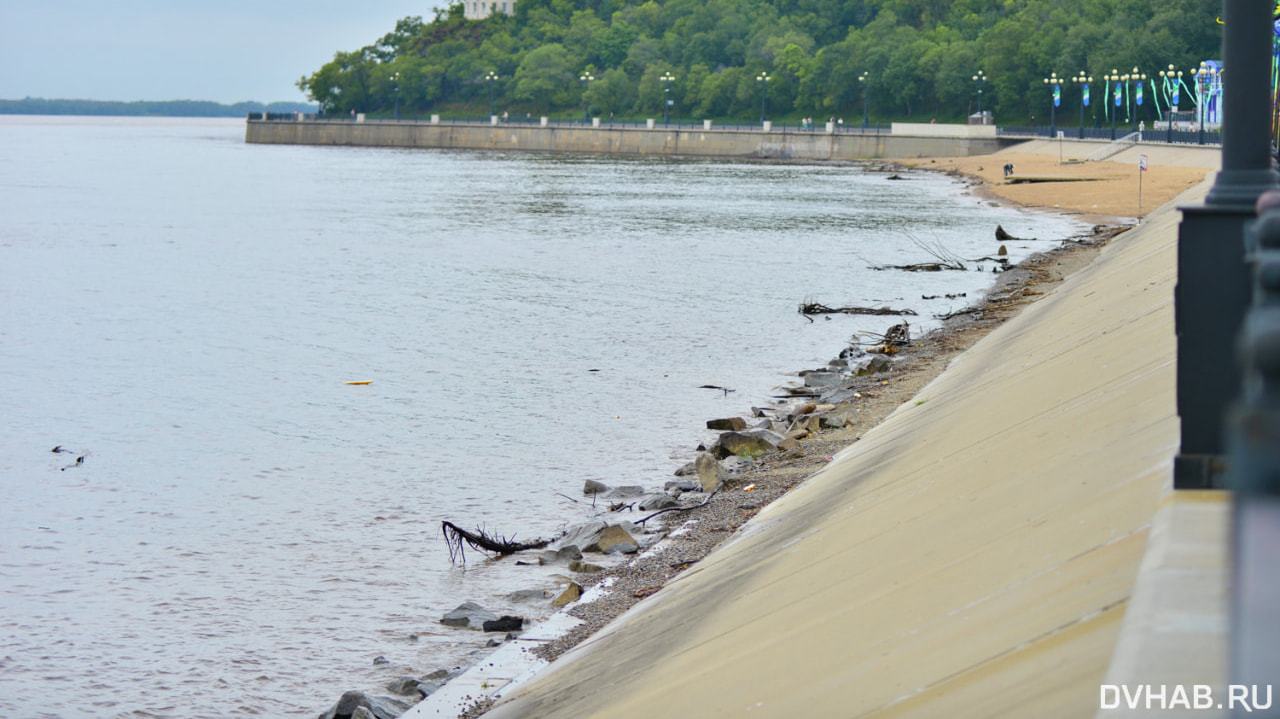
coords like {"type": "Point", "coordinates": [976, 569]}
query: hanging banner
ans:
{"type": "Point", "coordinates": [1138, 96]}
{"type": "Point", "coordinates": [1086, 95]}
{"type": "Point", "coordinates": [1057, 95]}
{"type": "Point", "coordinates": [1119, 95]}
{"type": "Point", "coordinates": [1176, 90]}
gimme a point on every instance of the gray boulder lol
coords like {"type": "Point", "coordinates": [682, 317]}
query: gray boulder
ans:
{"type": "Point", "coordinates": [686, 470]}
{"type": "Point", "coordinates": [709, 471]}
{"type": "Point", "coordinates": [753, 442]}
{"type": "Point", "coordinates": [612, 535]}
{"type": "Point", "coordinates": [841, 395]}
{"type": "Point", "coordinates": [411, 686]}
{"type": "Point", "coordinates": [580, 535]}
{"type": "Point", "coordinates": [373, 706]}
{"type": "Point", "coordinates": [591, 486]}
{"type": "Point", "coordinates": [469, 615]}
{"type": "Point", "coordinates": [657, 501]}
{"type": "Point", "coordinates": [682, 485]}
{"type": "Point", "coordinates": [531, 595]}
{"type": "Point", "coordinates": [842, 416]}
{"type": "Point", "coordinates": [822, 379]}
{"type": "Point", "coordinates": [727, 423]}
{"type": "Point", "coordinates": [871, 364]}
{"type": "Point", "coordinates": [623, 548]}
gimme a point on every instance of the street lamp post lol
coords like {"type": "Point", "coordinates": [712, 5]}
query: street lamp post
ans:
{"type": "Point", "coordinates": [395, 79]}
{"type": "Point", "coordinates": [1167, 78]}
{"type": "Point", "coordinates": [1139, 78]}
{"type": "Point", "coordinates": [1082, 80]}
{"type": "Point", "coordinates": [1055, 87]}
{"type": "Point", "coordinates": [666, 97]}
{"type": "Point", "coordinates": [981, 79]}
{"type": "Point", "coordinates": [1204, 75]}
{"type": "Point", "coordinates": [763, 78]}
{"type": "Point", "coordinates": [1113, 85]}
{"type": "Point", "coordinates": [586, 104]}
{"type": "Point", "coordinates": [862, 79]}
{"type": "Point", "coordinates": [491, 77]}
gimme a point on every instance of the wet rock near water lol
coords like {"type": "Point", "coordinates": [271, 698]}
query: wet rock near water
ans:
{"type": "Point", "coordinates": [728, 423]}
{"type": "Point", "coordinates": [359, 705]}
{"type": "Point", "coordinates": [505, 623]}
{"type": "Point", "coordinates": [414, 687]}
{"type": "Point", "coordinates": [657, 501]}
{"type": "Point", "coordinates": [469, 615]}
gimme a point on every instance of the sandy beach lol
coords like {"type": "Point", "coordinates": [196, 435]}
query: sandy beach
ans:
{"type": "Point", "coordinates": [1097, 191]}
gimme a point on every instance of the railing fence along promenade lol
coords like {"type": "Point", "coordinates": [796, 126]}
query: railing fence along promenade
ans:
{"type": "Point", "coordinates": [791, 126]}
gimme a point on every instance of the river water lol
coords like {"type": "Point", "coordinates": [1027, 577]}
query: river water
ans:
{"type": "Point", "coordinates": [247, 532]}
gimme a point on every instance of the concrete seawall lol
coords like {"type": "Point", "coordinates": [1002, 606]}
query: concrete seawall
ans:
{"type": "Point", "coordinates": [640, 141]}
{"type": "Point", "coordinates": [983, 552]}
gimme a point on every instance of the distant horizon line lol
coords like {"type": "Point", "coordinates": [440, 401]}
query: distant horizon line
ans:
{"type": "Point", "coordinates": [29, 98]}
{"type": "Point", "coordinates": [137, 108]}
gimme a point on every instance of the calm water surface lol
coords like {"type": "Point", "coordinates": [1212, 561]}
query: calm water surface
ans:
{"type": "Point", "coordinates": [247, 532]}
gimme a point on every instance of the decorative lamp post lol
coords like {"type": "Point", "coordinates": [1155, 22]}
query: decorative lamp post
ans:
{"type": "Point", "coordinates": [866, 86]}
{"type": "Point", "coordinates": [1083, 81]}
{"type": "Point", "coordinates": [395, 79]}
{"type": "Point", "coordinates": [1205, 75]}
{"type": "Point", "coordinates": [586, 104]}
{"type": "Point", "coordinates": [1139, 78]}
{"type": "Point", "coordinates": [763, 78]}
{"type": "Point", "coordinates": [666, 77]}
{"type": "Point", "coordinates": [1113, 89]}
{"type": "Point", "coordinates": [491, 77]}
{"type": "Point", "coordinates": [1055, 85]}
{"type": "Point", "coordinates": [1172, 78]}
{"type": "Point", "coordinates": [981, 79]}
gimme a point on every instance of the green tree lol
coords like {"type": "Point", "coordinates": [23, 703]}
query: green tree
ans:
{"type": "Point", "coordinates": [545, 77]}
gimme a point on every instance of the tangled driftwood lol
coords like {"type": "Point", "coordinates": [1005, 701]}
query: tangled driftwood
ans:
{"type": "Point", "coordinates": [459, 539]}
{"type": "Point", "coordinates": [817, 308]}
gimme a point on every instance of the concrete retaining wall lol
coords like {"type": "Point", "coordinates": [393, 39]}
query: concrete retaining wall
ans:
{"type": "Point", "coordinates": [617, 140]}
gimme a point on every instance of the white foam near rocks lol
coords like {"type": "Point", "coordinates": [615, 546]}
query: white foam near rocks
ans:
{"type": "Point", "coordinates": [510, 665]}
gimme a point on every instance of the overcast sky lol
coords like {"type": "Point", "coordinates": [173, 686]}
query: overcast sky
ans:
{"type": "Point", "coordinates": [226, 51]}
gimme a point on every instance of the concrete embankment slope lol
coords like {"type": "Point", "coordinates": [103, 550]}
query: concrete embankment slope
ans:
{"type": "Point", "coordinates": [974, 555]}
{"type": "Point", "coordinates": [619, 140]}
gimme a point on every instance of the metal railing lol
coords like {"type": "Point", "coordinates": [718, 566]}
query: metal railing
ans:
{"type": "Point", "coordinates": [1176, 137]}
{"type": "Point", "coordinates": [785, 127]}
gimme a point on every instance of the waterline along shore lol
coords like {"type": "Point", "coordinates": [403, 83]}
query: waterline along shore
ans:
{"type": "Point", "coordinates": [1000, 522]}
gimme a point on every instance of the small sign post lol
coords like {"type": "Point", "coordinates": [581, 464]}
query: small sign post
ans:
{"type": "Point", "coordinates": [1142, 167]}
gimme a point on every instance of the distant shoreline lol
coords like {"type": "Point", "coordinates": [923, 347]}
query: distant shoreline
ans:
{"type": "Point", "coordinates": [144, 108]}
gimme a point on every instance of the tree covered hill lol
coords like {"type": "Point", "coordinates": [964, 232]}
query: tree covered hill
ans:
{"type": "Point", "coordinates": [918, 56]}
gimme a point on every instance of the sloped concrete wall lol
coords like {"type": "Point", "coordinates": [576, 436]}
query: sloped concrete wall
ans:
{"type": "Point", "coordinates": [815, 145]}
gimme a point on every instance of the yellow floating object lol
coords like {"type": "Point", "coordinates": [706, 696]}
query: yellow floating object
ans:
{"type": "Point", "coordinates": [362, 381]}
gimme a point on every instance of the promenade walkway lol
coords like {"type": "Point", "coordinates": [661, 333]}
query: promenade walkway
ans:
{"type": "Point", "coordinates": [1002, 545]}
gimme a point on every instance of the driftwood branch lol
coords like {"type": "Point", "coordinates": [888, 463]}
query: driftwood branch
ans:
{"type": "Point", "coordinates": [683, 509]}
{"type": "Point", "coordinates": [945, 259]}
{"type": "Point", "coordinates": [458, 539]}
{"type": "Point", "coordinates": [817, 308]}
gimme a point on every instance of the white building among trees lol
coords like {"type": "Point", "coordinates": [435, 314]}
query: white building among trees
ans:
{"type": "Point", "coordinates": [481, 9]}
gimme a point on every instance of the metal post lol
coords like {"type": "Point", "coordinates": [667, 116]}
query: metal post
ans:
{"type": "Point", "coordinates": [862, 80]}
{"type": "Point", "coordinates": [586, 103]}
{"type": "Point", "coordinates": [1213, 281]}
{"type": "Point", "coordinates": [763, 79]}
{"type": "Point", "coordinates": [666, 98]}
